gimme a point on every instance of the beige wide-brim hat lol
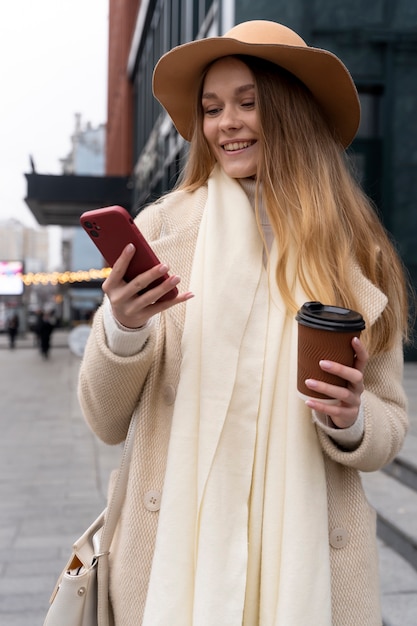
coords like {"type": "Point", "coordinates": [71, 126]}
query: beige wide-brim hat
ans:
{"type": "Point", "coordinates": [176, 75]}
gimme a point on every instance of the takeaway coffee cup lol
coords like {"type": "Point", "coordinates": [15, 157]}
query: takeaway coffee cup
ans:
{"type": "Point", "coordinates": [324, 332]}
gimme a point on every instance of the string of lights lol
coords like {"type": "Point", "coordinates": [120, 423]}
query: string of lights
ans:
{"type": "Point", "coordinates": [62, 278]}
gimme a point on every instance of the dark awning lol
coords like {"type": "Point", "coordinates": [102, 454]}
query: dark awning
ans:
{"type": "Point", "coordinates": [60, 200]}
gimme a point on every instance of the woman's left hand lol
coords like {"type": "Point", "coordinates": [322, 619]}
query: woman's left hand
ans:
{"type": "Point", "coordinates": [345, 412]}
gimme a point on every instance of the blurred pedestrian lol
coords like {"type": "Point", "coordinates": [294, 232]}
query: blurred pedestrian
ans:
{"type": "Point", "coordinates": [34, 322]}
{"type": "Point", "coordinates": [13, 329]}
{"type": "Point", "coordinates": [45, 329]}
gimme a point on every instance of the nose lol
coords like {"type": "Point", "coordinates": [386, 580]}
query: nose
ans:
{"type": "Point", "coordinates": [229, 119]}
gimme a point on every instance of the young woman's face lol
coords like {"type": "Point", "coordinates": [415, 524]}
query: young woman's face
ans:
{"type": "Point", "coordinates": [230, 119]}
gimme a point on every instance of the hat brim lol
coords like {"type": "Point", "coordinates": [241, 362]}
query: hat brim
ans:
{"type": "Point", "coordinates": [176, 78]}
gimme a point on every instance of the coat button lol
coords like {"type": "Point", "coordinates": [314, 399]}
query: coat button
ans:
{"type": "Point", "coordinates": [339, 537]}
{"type": "Point", "coordinates": [169, 394]}
{"type": "Point", "coordinates": [152, 500]}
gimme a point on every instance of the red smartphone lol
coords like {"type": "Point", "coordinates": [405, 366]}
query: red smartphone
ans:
{"type": "Point", "coordinates": [112, 229]}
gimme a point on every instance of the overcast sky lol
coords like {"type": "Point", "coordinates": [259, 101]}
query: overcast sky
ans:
{"type": "Point", "coordinates": [53, 59]}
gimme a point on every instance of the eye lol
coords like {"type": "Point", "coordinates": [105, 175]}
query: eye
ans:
{"type": "Point", "coordinates": [248, 104]}
{"type": "Point", "coordinates": [211, 111]}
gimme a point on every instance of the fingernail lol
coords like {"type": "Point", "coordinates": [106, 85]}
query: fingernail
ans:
{"type": "Point", "coordinates": [310, 383]}
{"type": "Point", "coordinates": [163, 269]}
{"type": "Point", "coordinates": [130, 247]}
{"type": "Point", "coordinates": [325, 365]}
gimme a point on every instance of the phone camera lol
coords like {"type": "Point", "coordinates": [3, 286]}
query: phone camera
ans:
{"type": "Point", "coordinates": [88, 225]}
{"type": "Point", "coordinates": [94, 233]}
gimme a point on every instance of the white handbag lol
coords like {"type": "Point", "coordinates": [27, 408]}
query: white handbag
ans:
{"type": "Point", "coordinates": [81, 594]}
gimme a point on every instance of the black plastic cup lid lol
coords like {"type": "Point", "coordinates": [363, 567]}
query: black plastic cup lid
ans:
{"type": "Point", "coordinates": [328, 317]}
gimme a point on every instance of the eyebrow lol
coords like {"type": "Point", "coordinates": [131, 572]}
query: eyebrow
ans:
{"type": "Point", "coordinates": [210, 95]}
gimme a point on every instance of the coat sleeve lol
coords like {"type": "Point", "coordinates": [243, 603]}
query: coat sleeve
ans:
{"type": "Point", "coordinates": [109, 386]}
{"type": "Point", "coordinates": [385, 415]}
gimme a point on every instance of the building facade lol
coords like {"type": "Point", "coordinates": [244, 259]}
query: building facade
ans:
{"type": "Point", "coordinates": [86, 158]}
{"type": "Point", "coordinates": [87, 154]}
{"type": "Point", "coordinates": [20, 242]}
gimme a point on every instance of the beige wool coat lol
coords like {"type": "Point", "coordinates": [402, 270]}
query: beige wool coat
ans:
{"type": "Point", "coordinates": [112, 388]}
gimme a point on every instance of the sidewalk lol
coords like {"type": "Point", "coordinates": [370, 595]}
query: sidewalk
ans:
{"type": "Point", "coordinates": [53, 475]}
{"type": "Point", "coordinates": [53, 472]}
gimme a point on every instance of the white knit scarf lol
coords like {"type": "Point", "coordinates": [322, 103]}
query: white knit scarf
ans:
{"type": "Point", "coordinates": [242, 535]}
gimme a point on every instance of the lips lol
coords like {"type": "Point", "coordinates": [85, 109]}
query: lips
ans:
{"type": "Point", "coordinates": [237, 145]}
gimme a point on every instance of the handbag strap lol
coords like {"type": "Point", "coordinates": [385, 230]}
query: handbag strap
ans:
{"type": "Point", "coordinates": [115, 504]}
{"type": "Point", "coordinates": [112, 514]}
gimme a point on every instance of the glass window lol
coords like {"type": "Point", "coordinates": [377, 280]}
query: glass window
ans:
{"type": "Point", "coordinates": [371, 101]}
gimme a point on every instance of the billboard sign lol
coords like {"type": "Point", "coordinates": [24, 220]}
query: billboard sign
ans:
{"type": "Point", "coordinates": [11, 283]}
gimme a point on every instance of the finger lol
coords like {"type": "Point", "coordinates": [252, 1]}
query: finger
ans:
{"type": "Point", "coordinates": [345, 395]}
{"type": "Point", "coordinates": [136, 315]}
{"type": "Point", "coordinates": [159, 306]}
{"type": "Point", "coordinates": [352, 375]}
{"type": "Point", "coordinates": [341, 416]}
{"type": "Point", "coordinates": [120, 267]}
{"type": "Point", "coordinates": [149, 296]}
{"type": "Point", "coordinates": [361, 354]}
{"type": "Point", "coordinates": [345, 406]}
{"type": "Point", "coordinates": [155, 274]}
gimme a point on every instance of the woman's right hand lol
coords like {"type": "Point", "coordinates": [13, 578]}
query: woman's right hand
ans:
{"type": "Point", "coordinates": [129, 308]}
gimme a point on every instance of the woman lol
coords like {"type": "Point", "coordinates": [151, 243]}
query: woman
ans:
{"type": "Point", "coordinates": [244, 503]}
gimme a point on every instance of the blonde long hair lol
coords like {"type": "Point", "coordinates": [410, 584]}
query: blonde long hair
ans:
{"type": "Point", "coordinates": [313, 203]}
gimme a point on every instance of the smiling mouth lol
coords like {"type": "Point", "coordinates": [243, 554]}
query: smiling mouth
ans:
{"type": "Point", "coordinates": [237, 145]}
